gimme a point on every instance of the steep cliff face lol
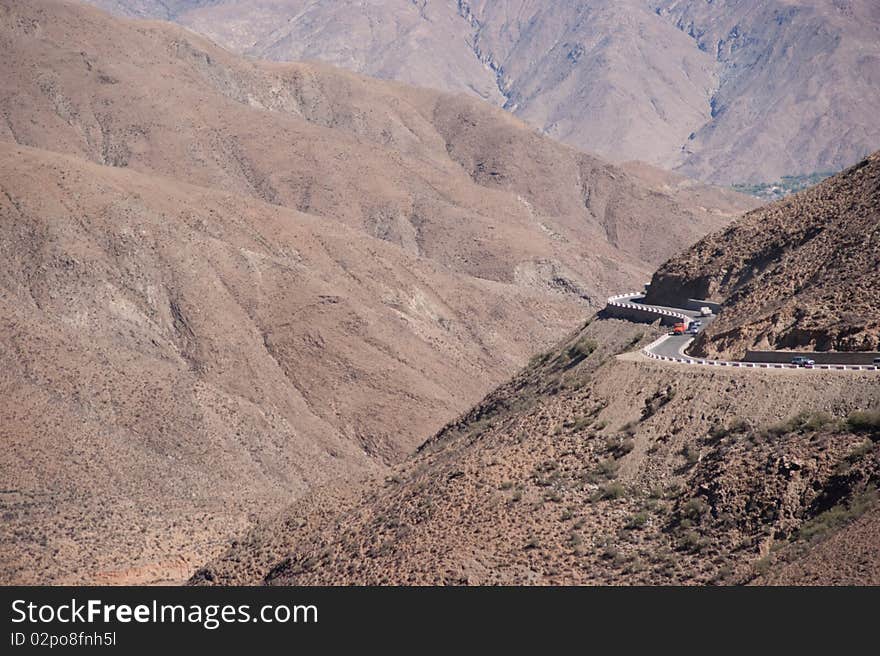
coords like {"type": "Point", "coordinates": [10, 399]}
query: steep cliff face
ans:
{"type": "Point", "coordinates": [801, 273]}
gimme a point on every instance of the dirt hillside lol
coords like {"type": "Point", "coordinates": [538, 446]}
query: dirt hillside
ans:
{"type": "Point", "coordinates": [226, 282]}
{"type": "Point", "coordinates": [589, 468]}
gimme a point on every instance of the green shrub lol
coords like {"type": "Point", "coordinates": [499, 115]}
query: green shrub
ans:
{"type": "Point", "coordinates": [692, 541]}
{"type": "Point", "coordinates": [804, 422]}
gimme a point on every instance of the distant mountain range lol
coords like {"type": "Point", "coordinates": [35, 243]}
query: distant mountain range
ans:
{"type": "Point", "coordinates": [730, 91]}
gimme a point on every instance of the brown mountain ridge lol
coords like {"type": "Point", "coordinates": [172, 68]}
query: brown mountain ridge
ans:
{"type": "Point", "coordinates": [725, 91]}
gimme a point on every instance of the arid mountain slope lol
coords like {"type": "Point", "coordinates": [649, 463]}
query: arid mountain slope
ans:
{"type": "Point", "coordinates": [447, 177]}
{"type": "Point", "coordinates": [588, 468]}
{"type": "Point", "coordinates": [797, 84]}
{"type": "Point", "coordinates": [729, 91]}
{"type": "Point", "coordinates": [161, 9]}
{"type": "Point", "coordinates": [172, 352]}
{"type": "Point", "coordinates": [225, 282]}
{"type": "Point", "coordinates": [800, 273]}
{"type": "Point", "coordinates": [850, 556]}
{"type": "Point", "coordinates": [691, 193]}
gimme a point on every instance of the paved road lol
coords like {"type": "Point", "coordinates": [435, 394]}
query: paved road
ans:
{"type": "Point", "coordinates": [671, 347]}
{"type": "Point", "coordinates": [674, 345]}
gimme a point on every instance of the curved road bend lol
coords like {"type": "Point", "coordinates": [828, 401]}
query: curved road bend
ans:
{"type": "Point", "coordinates": [671, 347]}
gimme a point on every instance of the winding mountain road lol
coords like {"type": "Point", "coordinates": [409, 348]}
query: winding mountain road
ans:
{"type": "Point", "coordinates": [671, 348]}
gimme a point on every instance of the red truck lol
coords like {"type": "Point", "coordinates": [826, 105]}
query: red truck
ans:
{"type": "Point", "coordinates": [679, 329]}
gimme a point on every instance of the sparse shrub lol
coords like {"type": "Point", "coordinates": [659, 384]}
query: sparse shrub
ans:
{"type": "Point", "coordinates": [692, 541]}
{"type": "Point", "coordinates": [657, 401]}
{"type": "Point", "coordinates": [691, 454]}
{"type": "Point", "coordinates": [538, 360]}
{"type": "Point", "coordinates": [548, 481]}
{"type": "Point", "coordinates": [581, 423]}
{"type": "Point", "coordinates": [629, 429]}
{"type": "Point", "coordinates": [612, 491]}
{"type": "Point", "coordinates": [803, 422]}
{"type": "Point", "coordinates": [763, 565]}
{"type": "Point", "coordinates": [619, 447]}
{"type": "Point", "coordinates": [607, 469]}
{"type": "Point", "coordinates": [532, 543]}
{"type": "Point", "coordinates": [860, 452]}
{"type": "Point", "coordinates": [637, 521]}
{"type": "Point", "coordinates": [737, 427]}
{"type": "Point", "coordinates": [546, 466]}
{"type": "Point", "coordinates": [723, 573]}
{"type": "Point", "coordinates": [626, 446]}
{"type": "Point", "coordinates": [610, 552]}
{"type": "Point", "coordinates": [816, 421]}
{"type": "Point", "coordinates": [583, 349]}
{"type": "Point", "coordinates": [694, 509]}
{"type": "Point", "coordinates": [833, 518]}
{"type": "Point", "coordinates": [864, 422]}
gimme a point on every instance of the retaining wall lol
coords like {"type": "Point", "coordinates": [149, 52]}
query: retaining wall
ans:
{"type": "Point", "coordinates": [821, 357]}
{"type": "Point", "coordinates": [620, 307]}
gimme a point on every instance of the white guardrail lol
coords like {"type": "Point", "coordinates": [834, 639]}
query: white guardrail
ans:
{"type": "Point", "coordinates": [648, 351]}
